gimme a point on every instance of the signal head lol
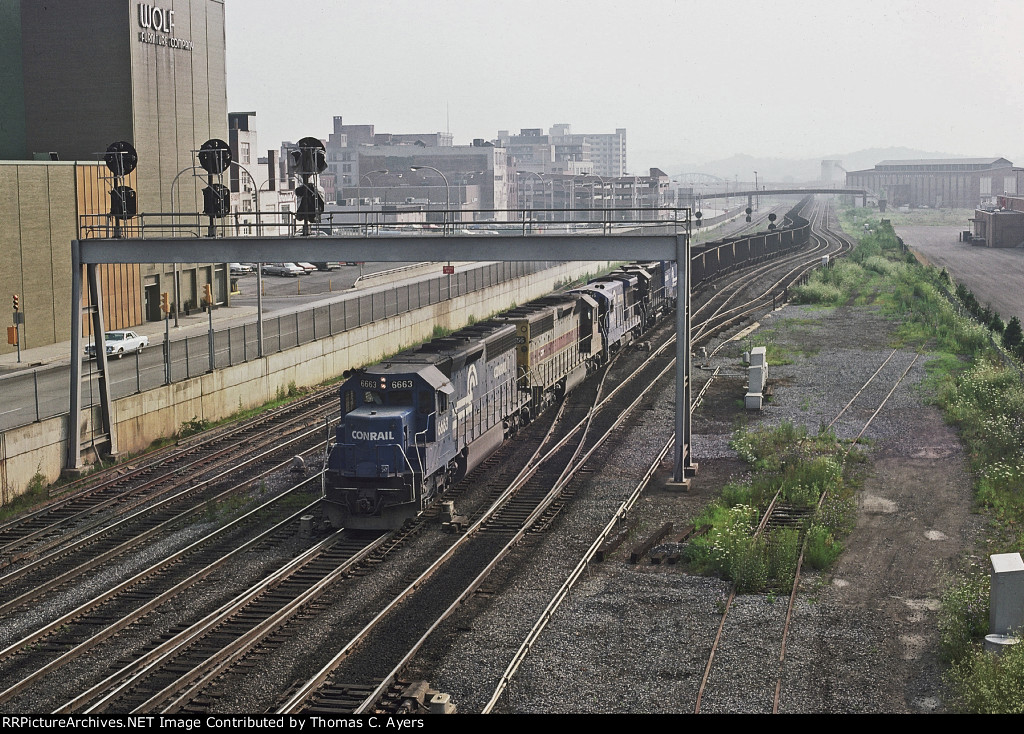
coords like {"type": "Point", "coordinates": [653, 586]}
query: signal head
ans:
{"type": "Point", "coordinates": [215, 156]}
{"type": "Point", "coordinates": [123, 203]}
{"type": "Point", "coordinates": [121, 158]}
{"type": "Point", "coordinates": [311, 156]}
{"type": "Point", "coordinates": [216, 201]}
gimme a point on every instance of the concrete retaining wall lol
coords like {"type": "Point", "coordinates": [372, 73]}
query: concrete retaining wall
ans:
{"type": "Point", "coordinates": [143, 418]}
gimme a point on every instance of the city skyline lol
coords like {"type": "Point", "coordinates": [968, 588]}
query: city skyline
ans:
{"type": "Point", "coordinates": [701, 80]}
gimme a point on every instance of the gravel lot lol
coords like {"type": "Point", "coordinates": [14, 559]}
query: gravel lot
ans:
{"type": "Point", "coordinates": [634, 638]}
{"type": "Point", "coordinates": [993, 274]}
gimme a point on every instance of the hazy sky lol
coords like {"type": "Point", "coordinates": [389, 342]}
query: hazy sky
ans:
{"type": "Point", "coordinates": [702, 78]}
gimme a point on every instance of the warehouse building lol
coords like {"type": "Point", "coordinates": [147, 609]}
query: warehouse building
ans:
{"type": "Point", "coordinates": [75, 76]}
{"type": "Point", "coordinates": [954, 183]}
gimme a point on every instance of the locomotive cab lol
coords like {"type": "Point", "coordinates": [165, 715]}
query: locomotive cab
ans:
{"type": "Point", "coordinates": [394, 435]}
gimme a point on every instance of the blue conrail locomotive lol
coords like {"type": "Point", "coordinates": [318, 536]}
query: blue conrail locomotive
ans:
{"type": "Point", "coordinates": [417, 423]}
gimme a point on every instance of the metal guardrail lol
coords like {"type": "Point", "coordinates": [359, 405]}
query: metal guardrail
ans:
{"type": "Point", "coordinates": [404, 220]}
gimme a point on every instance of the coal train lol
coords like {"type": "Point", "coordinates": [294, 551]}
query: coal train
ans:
{"type": "Point", "coordinates": [415, 424]}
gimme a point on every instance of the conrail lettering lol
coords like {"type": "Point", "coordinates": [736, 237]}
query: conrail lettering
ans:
{"type": "Point", "coordinates": [373, 436]}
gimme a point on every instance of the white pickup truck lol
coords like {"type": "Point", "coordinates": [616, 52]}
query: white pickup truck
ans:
{"type": "Point", "coordinates": [120, 343]}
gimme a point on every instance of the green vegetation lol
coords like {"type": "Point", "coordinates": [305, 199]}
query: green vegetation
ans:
{"type": "Point", "coordinates": [801, 468]}
{"type": "Point", "coordinates": [779, 353]}
{"type": "Point", "coordinates": [193, 426]}
{"type": "Point", "coordinates": [987, 684]}
{"type": "Point", "coordinates": [979, 389]}
{"type": "Point", "coordinates": [36, 492]}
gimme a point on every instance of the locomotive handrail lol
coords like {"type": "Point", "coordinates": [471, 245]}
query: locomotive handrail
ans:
{"type": "Point", "coordinates": [415, 436]}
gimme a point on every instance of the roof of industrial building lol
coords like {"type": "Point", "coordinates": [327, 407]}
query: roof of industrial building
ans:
{"type": "Point", "coordinates": [946, 163]}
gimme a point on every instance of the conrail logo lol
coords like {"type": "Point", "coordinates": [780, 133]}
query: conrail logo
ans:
{"type": "Point", "coordinates": [373, 436]}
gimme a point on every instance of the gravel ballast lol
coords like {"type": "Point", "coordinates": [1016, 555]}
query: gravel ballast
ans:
{"type": "Point", "coordinates": [635, 638]}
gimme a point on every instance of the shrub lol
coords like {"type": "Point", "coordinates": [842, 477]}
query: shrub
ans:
{"type": "Point", "coordinates": [817, 292]}
{"type": "Point", "coordinates": [193, 426]}
{"type": "Point", "coordinates": [963, 615]}
{"type": "Point", "coordinates": [984, 683]}
{"type": "Point", "coordinates": [1013, 335]}
{"type": "Point", "coordinates": [821, 548]}
{"type": "Point", "coordinates": [781, 550]}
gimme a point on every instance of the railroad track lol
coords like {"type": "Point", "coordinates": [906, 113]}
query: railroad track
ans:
{"type": "Point", "coordinates": [68, 563]}
{"type": "Point", "coordinates": [86, 505]}
{"type": "Point", "coordinates": [29, 660]}
{"type": "Point", "coordinates": [776, 515]}
{"type": "Point", "coordinates": [184, 699]}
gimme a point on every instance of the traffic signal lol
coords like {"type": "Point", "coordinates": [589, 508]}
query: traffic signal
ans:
{"type": "Point", "coordinates": [207, 294]}
{"type": "Point", "coordinates": [123, 203]}
{"type": "Point", "coordinates": [165, 302]}
{"type": "Point", "coordinates": [16, 304]}
{"type": "Point", "coordinates": [215, 156]}
{"type": "Point", "coordinates": [772, 217]}
{"type": "Point", "coordinates": [309, 202]}
{"type": "Point", "coordinates": [216, 200]}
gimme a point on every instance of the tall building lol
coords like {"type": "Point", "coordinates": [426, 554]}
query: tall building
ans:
{"type": "Point", "coordinates": [561, 152]}
{"type": "Point", "coordinates": [373, 172]}
{"type": "Point", "coordinates": [78, 75]}
{"type": "Point", "coordinates": [346, 141]}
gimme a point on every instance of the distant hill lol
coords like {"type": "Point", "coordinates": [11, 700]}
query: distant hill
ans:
{"type": "Point", "coordinates": [741, 167]}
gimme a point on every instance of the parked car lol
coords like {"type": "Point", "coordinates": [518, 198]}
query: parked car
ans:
{"type": "Point", "coordinates": [328, 266]}
{"type": "Point", "coordinates": [285, 269]}
{"type": "Point", "coordinates": [119, 343]}
{"type": "Point", "coordinates": [308, 267]}
{"type": "Point", "coordinates": [240, 268]}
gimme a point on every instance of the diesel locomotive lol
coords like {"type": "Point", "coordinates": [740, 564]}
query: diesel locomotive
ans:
{"type": "Point", "coordinates": [415, 424]}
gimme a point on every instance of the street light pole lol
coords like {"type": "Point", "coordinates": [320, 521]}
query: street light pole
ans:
{"type": "Point", "coordinates": [447, 193]}
{"type": "Point", "coordinates": [359, 191]}
{"type": "Point", "coordinates": [540, 177]}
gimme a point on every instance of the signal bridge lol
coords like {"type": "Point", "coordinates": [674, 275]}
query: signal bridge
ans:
{"type": "Point", "coordinates": [617, 234]}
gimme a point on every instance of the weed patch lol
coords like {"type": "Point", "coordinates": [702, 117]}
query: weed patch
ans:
{"type": "Point", "coordinates": [800, 468]}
